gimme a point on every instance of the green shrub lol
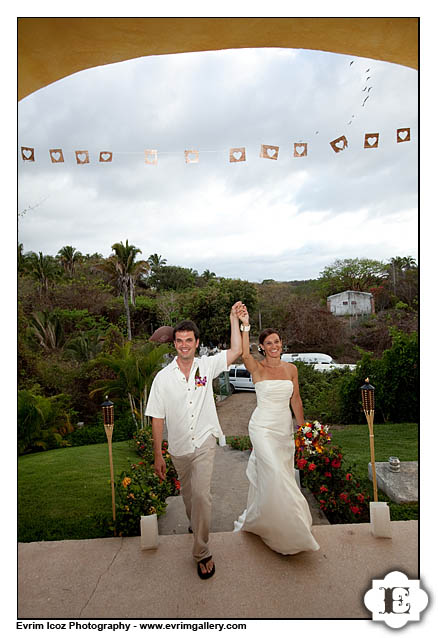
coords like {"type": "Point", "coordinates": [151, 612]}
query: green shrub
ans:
{"type": "Point", "coordinates": [139, 492]}
{"type": "Point", "coordinates": [239, 442]}
{"type": "Point", "coordinates": [320, 392]}
{"type": "Point", "coordinates": [144, 448]}
{"type": "Point", "coordinates": [43, 422]}
{"type": "Point", "coordinates": [92, 433]}
{"type": "Point", "coordinates": [395, 377]}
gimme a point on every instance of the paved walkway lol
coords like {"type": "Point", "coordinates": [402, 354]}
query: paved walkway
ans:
{"type": "Point", "coordinates": [112, 578]}
{"type": "Point", "coordinates": [229, 488]}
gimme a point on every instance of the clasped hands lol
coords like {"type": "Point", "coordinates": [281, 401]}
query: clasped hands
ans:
{"type": "Point", "coordinates": [239, 310]}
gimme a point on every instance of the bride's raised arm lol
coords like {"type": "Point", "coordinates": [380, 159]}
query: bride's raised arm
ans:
{"type": "Point", "coordinates": [248, 360]}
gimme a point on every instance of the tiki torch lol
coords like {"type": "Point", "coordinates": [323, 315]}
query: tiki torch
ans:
{"type": "Point", "coordinates": [379, 512]}
{"type": "Point", "coordinates": [108, 423]}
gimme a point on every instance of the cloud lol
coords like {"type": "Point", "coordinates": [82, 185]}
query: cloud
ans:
{"type": "Point", "coordinates": [256, 219]}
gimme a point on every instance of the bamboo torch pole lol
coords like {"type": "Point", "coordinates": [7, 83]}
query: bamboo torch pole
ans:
{"type": "Point", "coordinates": [368, 408]}
{"type": "Point", "coordinates": [108, 423]}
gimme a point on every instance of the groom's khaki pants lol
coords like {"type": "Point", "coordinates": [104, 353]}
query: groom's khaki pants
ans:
{"type": "Point", "coordinates": [194, 472]}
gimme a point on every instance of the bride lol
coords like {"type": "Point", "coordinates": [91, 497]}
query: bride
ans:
{"type": "Point", "coordinates": [276, 509]}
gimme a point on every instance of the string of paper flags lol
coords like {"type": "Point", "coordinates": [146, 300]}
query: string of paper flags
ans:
{"type": "Point", "coordinates": [238, 154]}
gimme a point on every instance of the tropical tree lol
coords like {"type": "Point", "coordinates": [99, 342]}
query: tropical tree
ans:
{"type": "Point", "coordinates": [69, 257]}
{"type": "Point", "coordinates": [47, 329]}
{"type": "Point", "coordinates": [44, 269]}
{"type": "Point", "coordinates": [124, 272]}
{"type": "Point", "coordinates": [402, 272]}
{"type": "Point", "coordinates": [351, 274]}
{"type": "Point", "coordinates": [156, 261]}
{"type": "Point", "coordinates": [208, 275]}
{"type": "Point", "coordinates": [134, 371]}
{"type": "Point", "coordinates": [42, 421]}
{"type": "Point", "coordinates": [86, 346]}
{"type": "Point", "coordinates": [21, 259]}
{"type": "Point", "coordinates": [173, 278]}
{"type": "Point", "coordinates": [409, 263]}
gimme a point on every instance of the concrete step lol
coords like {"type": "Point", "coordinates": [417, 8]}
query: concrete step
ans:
{"type": "Point", "coordinates": [112, 578]}
{"type": "Point", "coordinates": [229, 488]}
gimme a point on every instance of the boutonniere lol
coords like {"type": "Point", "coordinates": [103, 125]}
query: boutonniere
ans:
{"type": "Point", "coordinates": [199, 381]}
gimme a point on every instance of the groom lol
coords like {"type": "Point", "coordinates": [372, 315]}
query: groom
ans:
{"type": "Point", "coordinates": [182, 394]}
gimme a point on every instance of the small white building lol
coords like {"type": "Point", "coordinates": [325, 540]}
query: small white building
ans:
{"type": "Point", "coordinates": [351, 302]}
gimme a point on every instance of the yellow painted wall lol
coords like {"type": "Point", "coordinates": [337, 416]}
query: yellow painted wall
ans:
{"type": "Point", "coordinates": [52, 48]}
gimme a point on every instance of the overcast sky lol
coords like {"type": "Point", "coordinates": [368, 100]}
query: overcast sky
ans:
{"type": "Point", "coordinates": [283, 219]}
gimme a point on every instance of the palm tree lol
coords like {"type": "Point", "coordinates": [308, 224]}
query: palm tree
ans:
{"type": "Point", "coordinates": [156, 261]}
{"type": "Point", "coordinates": [124, 272]}
{"type": "Point", "coordinates": [47, 329]}
{"type": "Point", "coordinates": [86, 346]}
{"type": "Point", "coordinates": [21, 258]}
{"type": "Point", "coordinates": [135, 371]}
{"type": "Point", "coordinates": [69, 257]}
{"type": "Point", "coordinates": [44, 269]}
{"type": "Point", "coordinates": [208, 275]}
{"type": "Point", "coordinates": [408, 263]}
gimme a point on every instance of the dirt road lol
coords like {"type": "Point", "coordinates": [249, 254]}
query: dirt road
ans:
{"type": "Point", "coordinates": [234, 413]}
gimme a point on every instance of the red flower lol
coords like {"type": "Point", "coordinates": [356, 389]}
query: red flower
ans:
{"type": "Point", "coordinates": [355, 509]}
{"type": "Point", "coordinates": [360, 498]}
{"type": "Point", "coordinates": [323, 488]}
{"type": "Point", "coordinates": [336, 463]}
{"type": "Point", "coordinates": [329, 474]}
{"type": "Point", "coordinates": [309, 435]}
{"type": "Point", "coordinates": [348, 476]}
{"type": "Point", "coordinates": [301, 463]}
{"type": "Point", "coordinates": [326, 460]}
{"type": "Point", "coordinates": [344, 497]}
{"type": "Point", "coordinates": [312, 466]}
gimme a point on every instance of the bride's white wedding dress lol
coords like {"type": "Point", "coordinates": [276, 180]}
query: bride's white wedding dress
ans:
{"type": "Point", "coordinates": [276, 509]}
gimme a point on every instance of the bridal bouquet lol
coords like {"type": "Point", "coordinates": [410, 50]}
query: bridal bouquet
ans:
{"type": "Point", "coordinates": [326, 475]}
{"type": "Point", "coordinates": [311, 438]}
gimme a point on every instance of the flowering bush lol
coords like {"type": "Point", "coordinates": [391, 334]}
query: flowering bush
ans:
{"type": "Point", "coordinates": [139, 492]}
{"type": "Point", "coordinates": [325, 473]}
{"type": "Point", "coordinates": [144, 448]}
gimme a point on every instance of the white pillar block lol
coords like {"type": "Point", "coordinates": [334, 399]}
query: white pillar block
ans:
{"type": "Point", "coordinates": [149, 531]}
{"type": "Point", "coordinates": [380, 519]}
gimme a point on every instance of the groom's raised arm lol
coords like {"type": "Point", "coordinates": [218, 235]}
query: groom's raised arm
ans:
{"type": "Point", "coordinates": [235, 341]}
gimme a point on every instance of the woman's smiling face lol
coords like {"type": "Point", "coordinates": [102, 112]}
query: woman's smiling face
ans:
{"type": "Point", "coordinates": [272, 345]}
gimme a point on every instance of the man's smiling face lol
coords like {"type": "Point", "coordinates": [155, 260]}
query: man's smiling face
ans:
{"type": "Point", "coordinates": [186, 344]}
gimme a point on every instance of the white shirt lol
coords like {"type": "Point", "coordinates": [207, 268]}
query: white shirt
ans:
{"type": "Point", "coordinates": [188, 405]}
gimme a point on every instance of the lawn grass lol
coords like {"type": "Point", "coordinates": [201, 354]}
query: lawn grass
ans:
{"type": "Point", "coordinates": [390, 439]}
{"type": "Point", "coordinates": [62, 493]}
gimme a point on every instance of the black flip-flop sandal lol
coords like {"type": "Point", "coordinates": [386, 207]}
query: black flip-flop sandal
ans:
{"type": "Point", "coordinates": [204, 562]}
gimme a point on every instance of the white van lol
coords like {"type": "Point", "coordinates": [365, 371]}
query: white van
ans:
{"type": "Point", "coordinates": [319, 361]}
{"type": "Point", "coordinates": [307, 357]}
{"type": "Point", "coordinates": [240, 378]}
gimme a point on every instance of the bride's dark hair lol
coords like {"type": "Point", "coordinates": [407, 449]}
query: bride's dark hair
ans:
{"type": "Point", "coordinates": [263, 335]}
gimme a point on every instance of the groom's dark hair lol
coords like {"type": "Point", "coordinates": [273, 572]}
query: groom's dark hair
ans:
{"type": "Point", "coordinates": [186, 326]}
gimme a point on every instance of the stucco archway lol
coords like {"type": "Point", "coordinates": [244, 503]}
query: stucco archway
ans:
{"type": "Point", "coordinates": [52, 48]}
